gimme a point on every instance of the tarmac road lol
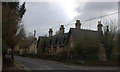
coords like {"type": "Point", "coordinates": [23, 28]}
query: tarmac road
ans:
{"type": "Point", "coordinates": [39, 64]}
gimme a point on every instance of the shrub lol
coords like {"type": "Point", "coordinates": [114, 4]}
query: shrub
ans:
{"type": "Point", "coordinates": [85, 49]}
{"type": "Point", "coordinates": [62, 56]}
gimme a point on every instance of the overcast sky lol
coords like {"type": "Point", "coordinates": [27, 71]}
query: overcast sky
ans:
{"type": "Point", "coordinates": [41, 16]}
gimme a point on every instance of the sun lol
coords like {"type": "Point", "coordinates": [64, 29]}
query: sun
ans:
{"type": "Point", "coordinates": [69, 6]}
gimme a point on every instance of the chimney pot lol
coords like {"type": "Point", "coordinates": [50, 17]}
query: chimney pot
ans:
{"type": "Point", "coordinates": [99, 22]}
{"type": "Point", "coordinates": [77, 21]}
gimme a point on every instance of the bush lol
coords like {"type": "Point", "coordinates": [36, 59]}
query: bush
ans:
{"type": "Point", "coordinates": [85, 49]}
{"type": "Point", "coordinates": [63, 55]}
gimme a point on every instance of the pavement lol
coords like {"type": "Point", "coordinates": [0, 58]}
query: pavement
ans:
{"type": "Point", "coordinates": [39, 64]}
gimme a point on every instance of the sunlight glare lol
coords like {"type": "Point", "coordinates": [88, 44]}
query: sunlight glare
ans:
{"type": "Point", "coordinates": [69, 6]}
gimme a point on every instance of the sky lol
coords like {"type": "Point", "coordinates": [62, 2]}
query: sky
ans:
{"type": "Point", "coordinates": [41, 16]}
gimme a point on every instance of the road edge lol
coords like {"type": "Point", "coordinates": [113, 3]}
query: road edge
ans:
{"type": "Point", "coordinates": [21, 66]}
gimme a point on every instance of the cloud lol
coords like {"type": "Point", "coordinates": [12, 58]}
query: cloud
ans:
{"type": "Point", "coordinates": [100, 6]}
{"type": "Point", "coordinates": [44, 15]}
{"type": "Point", "coordinates": [41, 16]}
{"type": "Point", "coordinates": [88, 10]}
{"type": "Point", "coordinates": [94, 9]}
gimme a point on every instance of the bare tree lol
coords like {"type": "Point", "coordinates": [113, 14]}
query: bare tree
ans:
{"type": "Point", "coordinates": [12, 14]}
{"type": "Point", "coordinates": [109, 37]}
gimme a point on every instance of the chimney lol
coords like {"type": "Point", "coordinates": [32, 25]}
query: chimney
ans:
{"type": "Point", "coordinates": [50, 32]}
{"type": "Point", "coordinates": [99, 27]}
{"type": "Point", "coordinates": [78, 24]}
{"type": "Point", "coordinates": [62, 29]}
{"type": "Point", "coordinates": [107, 28]}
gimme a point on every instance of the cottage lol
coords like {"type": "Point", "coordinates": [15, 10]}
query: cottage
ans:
{"type": "Point", "coordinates": [56, 43]}
{"type": "Point", "coordinates": [77, 33]}
{"type": "Point", "coordinates": [64, 41]}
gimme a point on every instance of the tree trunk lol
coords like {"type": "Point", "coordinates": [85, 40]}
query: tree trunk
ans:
{"type": "Point", "coordinates": [12, 54]}
{"type": "Point", "coordinates": [3, 55]}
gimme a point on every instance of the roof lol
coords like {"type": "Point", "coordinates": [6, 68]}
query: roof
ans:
{"type": "Point", "coordinates": [61, 39]}
{"type": "Point", "coordinates": [78, 33]}
{"type": "Point", "coordinates": [58, 39]}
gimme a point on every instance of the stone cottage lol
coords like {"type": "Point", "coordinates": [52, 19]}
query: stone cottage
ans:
{"type": "Point", "coordinates": [77, 33]}
{"type": "Point", "coordinates": [56, 43]}
{"type": "Point", "coordinates": [64, 41]}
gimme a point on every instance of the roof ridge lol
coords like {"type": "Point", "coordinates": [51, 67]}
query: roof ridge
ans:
{"type": "Point", "coordinates": [84, 29]}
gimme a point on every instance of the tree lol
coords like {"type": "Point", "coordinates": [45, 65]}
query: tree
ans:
{"type": "Point", "coordinates": [85, 49]}
{"type": "Point", "coordinates": [42, 45]}
{"type": "Point", "coordinates": [20, 35]}
{"type": "Point", "coordinates": [12, 14]}
{"type": "Point", "coordinates": [119, 46]}
{"type": "Point", "coordinates": [108, 40]}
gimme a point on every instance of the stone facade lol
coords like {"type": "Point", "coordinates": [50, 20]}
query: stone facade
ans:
{"type": "Point", "coordinates": [33, 47]}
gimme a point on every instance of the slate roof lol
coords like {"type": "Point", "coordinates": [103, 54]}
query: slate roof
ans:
{"type": "Point", "coordinates": [58, 39]}
{"type": "Point", "coordinates": [77, 33]}
{"type": "Point", "coordinates": [61, 39]}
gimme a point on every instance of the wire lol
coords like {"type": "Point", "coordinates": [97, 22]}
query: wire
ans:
{"type": "Point", "coordinates": [83, 20]}
{"type": "Point", "coordinates": [97, 17]}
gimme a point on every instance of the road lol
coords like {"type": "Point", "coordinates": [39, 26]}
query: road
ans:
{"type": "Point", "coordinates": [39, 64]}
{"type": "Point", "coordinates": [0, 62]}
